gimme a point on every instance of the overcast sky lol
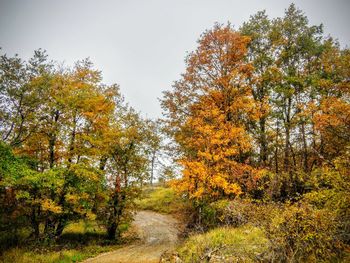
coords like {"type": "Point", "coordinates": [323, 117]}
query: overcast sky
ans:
{"type": "Point", "coordinates": [140, 45]}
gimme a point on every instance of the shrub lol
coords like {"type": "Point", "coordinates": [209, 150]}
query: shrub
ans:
{"type": "Point", "coordinates": [237, 212]}
{"type": "Point", "coordinates": [331, 190]}
{"type": "Point", "coordinates": [296, 232]}
{"type": "Point", "coordinates": [302, 234]}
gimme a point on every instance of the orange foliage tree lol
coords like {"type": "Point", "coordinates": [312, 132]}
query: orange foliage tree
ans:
{"type": "Point", "coordinates": [208, 112]}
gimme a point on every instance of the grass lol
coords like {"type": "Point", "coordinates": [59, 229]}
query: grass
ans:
{"type": "Point", "coordinates": [160, 199]}
{"type": "Point", "coordinates": [225, 244]}
{"type": "Point", "coordinates": [20, 255]}
{"type": "Point", "coordinates": [79, 241]}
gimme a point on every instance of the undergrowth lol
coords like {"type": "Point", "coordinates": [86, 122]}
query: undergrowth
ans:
{"type": "Point", "coordinates": [79, 241]}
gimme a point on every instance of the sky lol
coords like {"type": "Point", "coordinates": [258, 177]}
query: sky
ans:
{"type": "Point", "coordinates": [140, 45]}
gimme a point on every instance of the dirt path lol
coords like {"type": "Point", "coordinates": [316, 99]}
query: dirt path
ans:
{"type": "Point", "coordinates": [158, 233]}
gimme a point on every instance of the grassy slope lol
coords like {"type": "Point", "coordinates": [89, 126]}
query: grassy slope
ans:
{"type": "Point", "coordinates": [226, 244]}
{"type": "Point", "coordinates": [160, 199]}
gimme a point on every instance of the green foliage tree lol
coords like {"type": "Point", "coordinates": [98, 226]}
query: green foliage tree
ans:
{"type": "Point", "coordinates": [87, 148]}
{"type": "Point", "coordinates": [126, 168]}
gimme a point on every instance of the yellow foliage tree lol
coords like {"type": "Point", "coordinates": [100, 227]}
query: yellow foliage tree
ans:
{"type": "Point", "coordinates": [208, 113]}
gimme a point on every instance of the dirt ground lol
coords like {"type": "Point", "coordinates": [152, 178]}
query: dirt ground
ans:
{"type": "Point", "coordinates": [158, 234]}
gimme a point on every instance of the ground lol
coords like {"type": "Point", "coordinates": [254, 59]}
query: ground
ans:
{"type": "Point", "coordinates": [158, 234]}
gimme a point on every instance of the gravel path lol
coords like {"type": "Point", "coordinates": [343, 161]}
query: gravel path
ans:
{"type": "Point", "coordinates": [158, 233]}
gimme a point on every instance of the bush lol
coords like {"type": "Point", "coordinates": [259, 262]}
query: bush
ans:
{"type": "Point", "coordinates": [296, 232]}
{"type": "Point", "coordinates": [332, 191]}
{"type": "Point", "coordinates": [225, 244]}
{"type": "Point", "coordinates": [302, 234]}
{"type": "Point", "coordinates": [237, 212]}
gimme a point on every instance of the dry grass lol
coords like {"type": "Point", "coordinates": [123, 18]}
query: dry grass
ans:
{"type": "Point", "coordinates": [225, 244]}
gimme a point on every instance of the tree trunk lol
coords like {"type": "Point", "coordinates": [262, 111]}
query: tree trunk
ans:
{"type": "Point", "coordinates": [305, 152]}
{"type": "Point", "coordinates": [49, 230]}
{"type": "Point", "coordinates": [263, 142]}
{"type": "Point", "coordinates": [72, 142]}
{"type": "Point", "coordinates": [152, 168]}
{"type": "Point", "coordinates": [276, 149]}
{"type": "Point", "coordinates": [62, 222]}
{"type": "Point", "coordinates": [111, 231]}
{"type": "Point", "coordinates": [52, 140]}
{"type": "Point", "coordinates": [112, 222]}
{"type": "Point", "coordinates": [35, 222]}
{"type": "Point", "coordinates": [287, 125]}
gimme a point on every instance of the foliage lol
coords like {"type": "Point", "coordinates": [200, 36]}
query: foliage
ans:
{"type": "Point", "coordinates": [332, 192]}
{"type": "Point", "coordinates": [12, 210]}
{"type": "Point", "coordinates": [219, 104]}
{"type": "Point", "coordinates": [72, 148]}
{"type": "Point", "coordinates": [260, 97]}
{"type": "Point", "coordinates": [295, 232]}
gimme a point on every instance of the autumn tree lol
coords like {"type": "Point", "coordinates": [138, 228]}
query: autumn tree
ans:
{"type": "Point", "coordinates": [126, 169]}
{"type": "Point", "coordinates": [296, 69]}
{"type": "Point", "coordinates": [208, 112]}
{"type": "Point", "coordinates": [330, 111]}
{"type": "Point", "coordinates": [60, 120]}
{"type": "Point", "coordinates": [284, 52]}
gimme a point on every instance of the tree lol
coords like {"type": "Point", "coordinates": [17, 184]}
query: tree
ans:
{"type": "Point", "coordinates": [63, 123]}
{"type": "Point", "coordinates": [208, 112]}
{"type": "Point", "coordinates": [126, 169]}
{"type": "Point", "coordinates": [260, 54]}
{"type": "Point", "coordinates": [296, 46]}
{"type": "Point", "coordinates": [154, 146]}
{"type": "Point", "coordinates": [18, 98]}
{"type": "Point", "coordinates": [330, 107]}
